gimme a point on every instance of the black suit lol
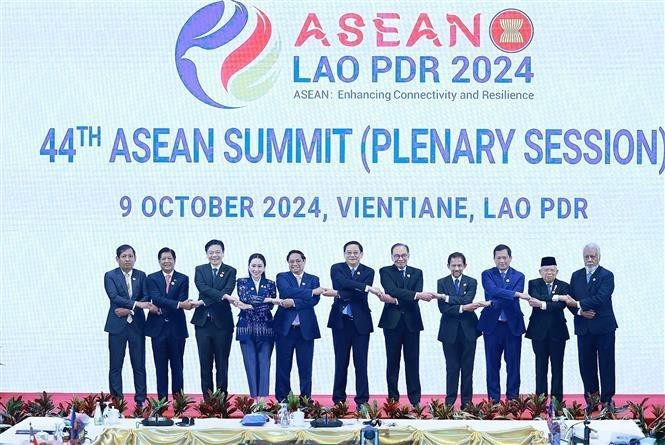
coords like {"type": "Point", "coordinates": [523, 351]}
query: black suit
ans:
{"type": "Point", "coordinates": [351, 331]}
{"type": "Point", "coordinates": [123, 333]}
{"type": "Point", "coordinates": [401, 325]}
{"type": "Point", "coordinates": [167, 329]}
{"type": "Point", "coordinates": [595, 337]}
{"type": "Point", "coordinates": [548, 333]}
{"type": "Point", "coordinates": [458, 333]}
{"type": "Point", "coordinates": [214, 324]}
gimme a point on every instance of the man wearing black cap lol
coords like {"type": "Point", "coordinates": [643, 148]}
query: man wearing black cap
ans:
{"type": "Point", "coordinates": [547, 326]}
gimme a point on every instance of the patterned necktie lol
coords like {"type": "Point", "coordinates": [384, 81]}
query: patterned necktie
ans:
{"type": "Point", "coordinates": [549, 289]}
{"type": "Point", "coordinates": [214, 274]}
{"type": "Point", "coordinates": [353, 272]}
{"type": "Point", "coordinates": [404, 273]}
{"type": "Point", "coordinates": [168, 282]}
{"type": "Point", "coordinates": [128, 282]}
{"type": "Point", "coordinates": [457, 285]}
{"type": "Point", "coordinates": [588, 276]}
{"type": "Point", "coordinates": [296, 321]}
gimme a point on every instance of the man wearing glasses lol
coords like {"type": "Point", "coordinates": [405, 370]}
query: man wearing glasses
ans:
{"type": "Point", "coordinates": [401, 321]}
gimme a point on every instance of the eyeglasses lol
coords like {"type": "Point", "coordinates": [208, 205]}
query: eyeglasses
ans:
{"type": "Point", "coordinates": [403, 256]}
{"type": "Point", "coordinates": [295, 261]}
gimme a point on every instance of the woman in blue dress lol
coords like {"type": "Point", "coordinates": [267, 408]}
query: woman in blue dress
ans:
{"type": "Point", "coordinates": [255, 328]}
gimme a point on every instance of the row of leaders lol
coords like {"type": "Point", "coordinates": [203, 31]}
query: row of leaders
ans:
{"type": "Point", "coordinates": [292, 329]}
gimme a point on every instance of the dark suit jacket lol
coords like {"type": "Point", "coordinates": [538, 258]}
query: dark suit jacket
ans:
{"type": "Point", "coordinates": [351, 291]}
{"type": "Point", "coordinates": [548, 324]}
{"type": "Point", "coordinates": [405, 292]}
{"type": "Point", "coordinates": [596, 295]}
{"type": "Point", "coordinates": [502, 295]}
{"type": "Point", "coordinates": [451, 319]}
{"type": "Point", "coordinates": [287, 285]}
{"type": "Point", "coordinates": [116, 290]}
{"type": "Point", "coordinates": [211, 292]}
{"type": "Point", "coordinates": [168, 303]}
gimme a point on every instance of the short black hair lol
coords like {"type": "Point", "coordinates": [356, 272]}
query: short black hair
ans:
{"type": "Point", "coordinates": [457, 255]}
{"type": "Point", "coordinates": [122, 248]}
{"type": "Point", "coordinates": [214, 242]}
{"type": "Point", "coordinates": [360, 246]}
{"type": "Point", "coordinates": [164, 250]}
{"type": "Point", "coordinates": [302, 255]}
{"type": "Point", "coordinates": [502, 247]}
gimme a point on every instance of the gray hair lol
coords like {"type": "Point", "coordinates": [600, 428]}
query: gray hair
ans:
{"type": "Point", "coordinates": [594, 247]}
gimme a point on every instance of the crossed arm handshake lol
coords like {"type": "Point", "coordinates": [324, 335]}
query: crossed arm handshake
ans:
{"type": "Point", "coordinates": [567, 299]}
{"type": "Point", "coordinates": [423, 296]}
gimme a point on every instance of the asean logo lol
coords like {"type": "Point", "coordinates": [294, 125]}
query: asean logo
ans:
{"type": "Point", "coordinates": [226, 54]}
{"type": "Point", "coordinates": [511, 30]}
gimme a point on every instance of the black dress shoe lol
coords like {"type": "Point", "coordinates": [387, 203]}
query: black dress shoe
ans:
{"type": "Point", "coordinates": [609, 406]}
{"type": "Point", "coordinates": [589, 409]}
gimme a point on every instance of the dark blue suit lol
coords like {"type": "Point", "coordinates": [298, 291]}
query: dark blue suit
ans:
{"type": "Point", "coordinates": [548, 333]}
{"type": "Point", "coordinates": [168, 329]}
{"type": "Point", "coordinates": [401, 324]}
{"type": "Point", "coordinates": [351, 332]}
{"type": "Point", "coordinates": [214, 324]}
{"type": "Point", "coordinates": [595, 337]}
{"type": "Point", "coordinates": [502, 337]}
{"type": "Point", "coordinates": [256, 334]}
{"type": "Point", "coordinates": [458, 333]}
{"type": "Point", "coordinates": [300, 338]}
{"type": "Point", "coordinates": [123, 333]}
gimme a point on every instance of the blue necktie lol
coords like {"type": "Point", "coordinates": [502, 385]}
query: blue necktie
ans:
{"type": "Point", "coordinates": [588, 276]}
{"type": "Point", "coordinates": [457, 285]}
{"type": "Point", "coordinates": [502, 315]}
{"type": "Point", "coordinates": [347, 309]}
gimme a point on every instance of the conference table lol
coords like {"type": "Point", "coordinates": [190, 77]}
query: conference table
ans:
{"type": "Point", "coordinates": [425, 432]}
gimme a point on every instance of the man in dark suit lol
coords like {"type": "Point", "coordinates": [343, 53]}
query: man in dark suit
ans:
{"type": "Point", "coordinates": [590, 301]}
{"type": "Point", "coordinates": [547, 327]}
{"type": "Point", "coordinates": [458, 328]}
{"type": "Point", "coordinates": [351, 321]}
{"type": "Point", "coordinates": [213, 320]}
{"type": "Point", "coordinates": [502, 323]}
{"type": "Point", "coordinates": [168, 290]}
{"type": "Point", "coordinates": [295, 324]}
{"type": "Point", "coordinates": [401, 321]}
{"type": "Point", "coordinates": [125, 322]}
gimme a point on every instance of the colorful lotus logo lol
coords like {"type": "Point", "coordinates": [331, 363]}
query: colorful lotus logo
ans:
{"type": "Point", "coordinates": [226, 54]}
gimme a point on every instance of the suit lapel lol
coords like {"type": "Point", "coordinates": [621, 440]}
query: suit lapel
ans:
{"type": "Point", "coordinates": [120, 276]}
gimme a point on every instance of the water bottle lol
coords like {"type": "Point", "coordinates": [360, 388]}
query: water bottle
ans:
{"type": "Point", "coordinates": [283, 416]}
{"type": "Point", "coordinates": [98, 420]}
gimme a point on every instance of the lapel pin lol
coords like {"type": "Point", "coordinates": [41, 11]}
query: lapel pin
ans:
{"type": "Point", "coordinates": [507, 280]}
{"type": "Point", "coordinates": [408, 275]}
